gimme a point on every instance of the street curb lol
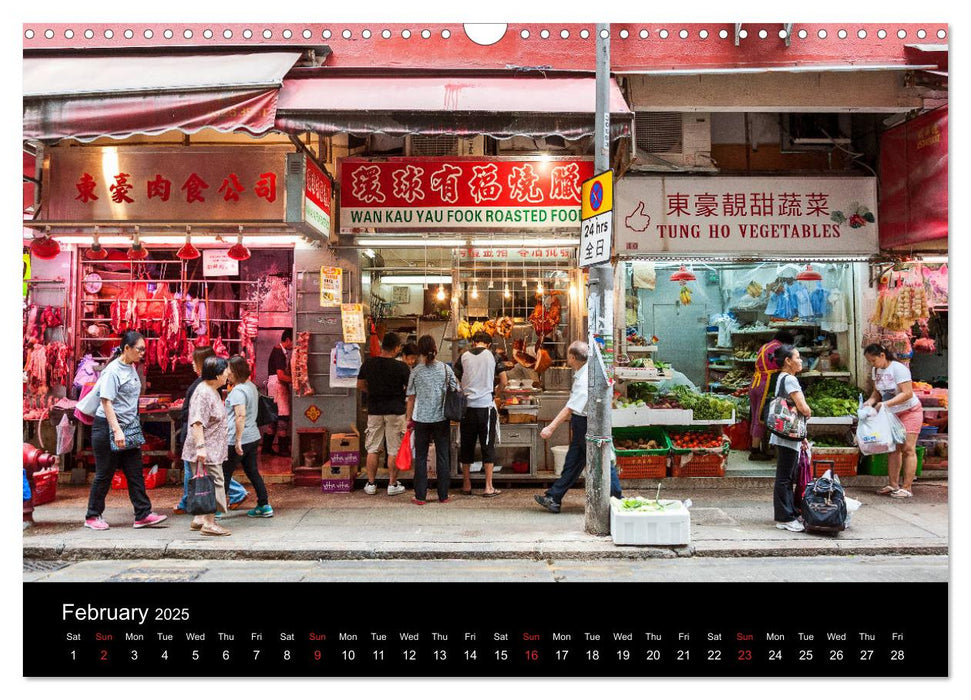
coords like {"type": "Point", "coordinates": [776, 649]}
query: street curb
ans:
{"type": "Point", "coordinates": [63, 553]}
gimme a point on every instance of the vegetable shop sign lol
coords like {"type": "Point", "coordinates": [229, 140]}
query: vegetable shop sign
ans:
{"type": "Point", "coordinates": [461, 194]}
{"type": "Point", "coordinates": [746, 216]}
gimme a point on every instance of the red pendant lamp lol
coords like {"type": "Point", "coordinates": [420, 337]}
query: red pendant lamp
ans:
{"type": "Point", "coordinates": [137, 251]}
{"type": "Point", "coordinates": [683, 275]}
{"type": "Point", "coordinates": [188, 251]}
{"type": "Point", "coordinates": [45, 248]}
{"type": "Point", "coordinates": [95, 252]}
{"type": "Point", "coordinates": [809, 275]}
{"type": "Point", "coordinates": [239, 251]}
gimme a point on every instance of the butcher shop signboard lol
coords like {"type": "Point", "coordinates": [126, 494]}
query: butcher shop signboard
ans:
{"type": "Point", "coordinates": [135, 184]}
{"type": "Point", "coordinates": [461, 194]}
{"type": "Point", "coordinates": [746, 216]}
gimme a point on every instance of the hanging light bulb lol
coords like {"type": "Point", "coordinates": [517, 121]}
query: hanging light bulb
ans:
{"type": "Point", "coordinates": [475, 290]}
{"type": "Point", "coordinates": [441, 293]}
{"type": "Point", "coordinates": [95, 252]}
{"type": "Point", "coordinates": [239, 251]}
{"type": "Point", "coordinates": [137, 251]}
{"type": "Point", "coordinates": [506, 293]}
{"type": "Point", "coordinates": [188, 251]}
{"type": "Point", "coordinates": [539, 286]}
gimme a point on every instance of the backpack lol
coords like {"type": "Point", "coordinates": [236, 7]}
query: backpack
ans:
{"type": "Point", "coordinates": [781, 417]}
{"type": "Point", "coordinates": [824, 505]}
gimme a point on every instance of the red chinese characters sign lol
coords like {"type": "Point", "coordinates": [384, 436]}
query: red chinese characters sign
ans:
{"type": "Point", "coordinates": [746, 216]}
{"type": "Point", "coordinates": [461, 193]}
{"type": "Point", "coordinates": [170, 185]}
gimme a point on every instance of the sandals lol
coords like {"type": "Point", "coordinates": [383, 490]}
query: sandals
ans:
{"type": "Point", "coordinates": [495, 493]}
{"type": "Point", "coordinates": [901, 493]}
{"type": "Point", "coordinates": [466, 493]}
{"type": "Point", "coordinates": [214, 530]}
{"type": "Point", "coordinates": [887, 490]}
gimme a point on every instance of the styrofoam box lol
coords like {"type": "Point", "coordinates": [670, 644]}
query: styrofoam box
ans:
{"type": "Point", "coordinates": [641, 415]}
{"type": "Point", "coordinates": [668, 527]}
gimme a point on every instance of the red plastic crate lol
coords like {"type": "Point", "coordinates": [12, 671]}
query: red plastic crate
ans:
{"type": "Point", "coordinates": [45, 486]}
{"type": "Point", "coordinates": [699, 464]}
{"type": "Point", "coordinates": [152, 481]}
{"type": "Point", "coordinates": [845, 462]}
{"type": "Point", "coordinates": [643, 467]}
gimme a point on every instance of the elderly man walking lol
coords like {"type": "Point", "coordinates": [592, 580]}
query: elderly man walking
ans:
{"type": "Point", "coordinates": [576, 411]}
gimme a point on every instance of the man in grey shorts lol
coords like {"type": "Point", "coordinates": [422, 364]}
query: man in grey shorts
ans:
{"type": "Point", "coordinates": [385, 380]}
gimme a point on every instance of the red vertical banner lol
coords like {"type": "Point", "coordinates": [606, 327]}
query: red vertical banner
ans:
{"type": "Point", "coordinates": [913, 181]}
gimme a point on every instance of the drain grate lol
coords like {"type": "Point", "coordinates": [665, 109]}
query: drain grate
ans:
{"type": "Point", "coordinates": [158, 575]}
{"type": "Point", "coordinates": [41, 565]}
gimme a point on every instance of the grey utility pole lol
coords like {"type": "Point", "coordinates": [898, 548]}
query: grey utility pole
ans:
{"type": "Point", "coordinates": [600, 289]}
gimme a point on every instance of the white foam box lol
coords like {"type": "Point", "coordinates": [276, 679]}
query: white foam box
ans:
{"type": "Point", "coordinates": [670, 526]}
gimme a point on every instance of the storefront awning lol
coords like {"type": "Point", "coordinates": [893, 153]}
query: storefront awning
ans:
{"type": "Point", "coordinates": [499, 107]}
{"type": "Point", "coordinates": [86, 97]}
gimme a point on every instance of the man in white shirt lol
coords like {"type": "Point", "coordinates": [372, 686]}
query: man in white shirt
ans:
{"type": "Point", "coordinates": [478, 370]}
{"type": "Point", "coordinates": [576, 411]}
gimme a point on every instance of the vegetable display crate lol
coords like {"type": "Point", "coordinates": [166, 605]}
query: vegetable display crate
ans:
{"type": "Point", "coordinates": [639, 416]}
{"type": "Point", "coordinates": [876, 465]}
{"type": "Point", "coordinates": [642, 464]}
{"type": "Point", "coordinates": [699, 461]}
{"type": "Point", "coordinates": [669, 524]}
{"type": "Point", "coordinates": [846, 460]}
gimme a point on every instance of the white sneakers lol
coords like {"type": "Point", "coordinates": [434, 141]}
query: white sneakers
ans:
{"type": "Point", "coordinates": [393, 489]}
{"type": "Point", "coordinates": [791, 526]}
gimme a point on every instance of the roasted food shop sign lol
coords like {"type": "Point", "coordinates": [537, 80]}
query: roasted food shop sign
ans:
{"type": "Point", "coordinates": [181, 185]}
{"type": "Point", "coordinates": [746, 216]}
{"type": "Point", "coordinates": [421, 194]}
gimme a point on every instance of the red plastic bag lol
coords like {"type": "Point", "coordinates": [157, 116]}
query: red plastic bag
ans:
{"type": "Point", "coordinates": [404, 459]}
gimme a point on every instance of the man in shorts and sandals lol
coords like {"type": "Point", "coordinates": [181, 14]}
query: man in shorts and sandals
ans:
{"type": "Point", "coordinates": [385, 380]}
{"type": "Point", "coordinates": [479, 371]}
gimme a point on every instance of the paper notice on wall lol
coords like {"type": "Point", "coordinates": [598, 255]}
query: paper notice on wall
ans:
{"type": "Point", "coordinates": [340, 382]}
{"type": "Point", "coordinates": [330, 286]}
{"type": "Point", "coordinates": [217, 263]}
{"type": "Point", "coordinates": [352, 319]}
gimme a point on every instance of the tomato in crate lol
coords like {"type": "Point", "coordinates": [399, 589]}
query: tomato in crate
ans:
{"type": "Point", "coordinates": [698, 452]}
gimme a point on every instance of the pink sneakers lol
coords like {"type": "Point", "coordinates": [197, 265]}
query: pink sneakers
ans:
{"type": "Point", "coordinates": [96, 523]}
{"type": "Point", "coordinates": [149, 520]}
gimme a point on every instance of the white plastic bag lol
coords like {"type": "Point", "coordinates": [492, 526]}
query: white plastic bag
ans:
{"type": "Point", "coordinates": [65, 435]}
{"type": "Point", "coordinates": [875, 432]}
{"type": "Point", "coordinates": [852, 505]}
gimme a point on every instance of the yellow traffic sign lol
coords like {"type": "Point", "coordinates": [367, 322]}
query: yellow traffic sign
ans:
{"type": "Point", "coordinates": [597, 195]}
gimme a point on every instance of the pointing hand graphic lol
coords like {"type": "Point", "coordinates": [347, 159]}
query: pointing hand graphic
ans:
{"type": "Point", "coordinates": [638, 220]}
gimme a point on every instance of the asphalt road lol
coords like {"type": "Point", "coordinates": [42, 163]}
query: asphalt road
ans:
{"type": "Point", "coordinates": [694, 569]}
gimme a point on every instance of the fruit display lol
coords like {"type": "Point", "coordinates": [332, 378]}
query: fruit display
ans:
{"type": "Point", "coordinates": [640, 444]}
{"type": "Point", "coordinates": [697, 440]}
{"type": "Point", "coordinates": [737, 379]}
{"type": "Point", "coordinates": [685, 296]}
{"type": "Point", "coordinates": [754, 290]}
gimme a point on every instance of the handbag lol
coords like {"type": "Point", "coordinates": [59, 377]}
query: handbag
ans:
{"type": "Point", "coordinates": [266, 411]}
{"type": "Point", "coordinates": [454, 401]}
{"type": "Point", "coordinates": [201, 494]}
{"type": "Point", "coordinates": [824, 505]}
{"type": "Point", "coordinates": [134, 437]}
{"type": "Point", "coordinates": [781, 417]}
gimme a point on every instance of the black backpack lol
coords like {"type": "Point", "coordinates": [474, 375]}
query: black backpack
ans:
{"type": "Point", "coordinates": [267, 411]}
{"type": "Point", "coordinates": [824, 505]}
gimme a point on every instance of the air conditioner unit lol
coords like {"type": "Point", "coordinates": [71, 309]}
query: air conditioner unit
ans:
{"type": "Point", "coordinates": [444, 145]}
{"type": "Point", "coordinates": [667, 141]}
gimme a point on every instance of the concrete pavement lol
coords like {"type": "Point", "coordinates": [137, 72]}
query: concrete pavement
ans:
{"type": "Point", "coordinates": [725, 522]}
{"type": "Point", "coordinates": [818, 569]}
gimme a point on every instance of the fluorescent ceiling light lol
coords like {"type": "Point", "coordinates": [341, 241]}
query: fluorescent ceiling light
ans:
{"type": "Point", "coordinates": [933, 258]}
{"type": "Point", "coordinates": [415, 279]}
{"type": "Point", "coordinates": [410, 242]}
{"type": "Point", "coordinates": [463, 243]}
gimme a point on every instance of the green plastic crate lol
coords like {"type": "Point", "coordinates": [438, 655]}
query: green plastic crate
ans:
{"type": "Point", "coordinates": [648, 432]}
{"type": "Point", "coordinates": [876, 465]}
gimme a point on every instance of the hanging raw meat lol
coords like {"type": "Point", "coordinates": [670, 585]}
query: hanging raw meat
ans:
{"type": "Point", "coordinates": [299, 365]}
{"type": "Point", "coordinates": [219, 348]}
{"type": "Point", "coordinates": [36, 369]}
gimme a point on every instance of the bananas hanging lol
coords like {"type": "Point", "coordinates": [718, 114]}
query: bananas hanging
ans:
{"type": "Point", "coordinates": [754, 290]}
{"type": "Point", "coordinates": [685, 296]}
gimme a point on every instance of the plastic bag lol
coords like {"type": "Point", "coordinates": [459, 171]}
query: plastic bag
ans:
{"type": "Point", "coordinates": [405, 455]}
{"type": "Point", "coordinates": [201, 494]}
{"type": "Point", "coordinates": [65, 435]}
{"type": "Point", "coordinates": [877, 433]}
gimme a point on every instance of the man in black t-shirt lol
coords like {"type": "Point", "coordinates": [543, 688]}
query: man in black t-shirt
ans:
{"type": "Point", "coordinates": [385, 380]}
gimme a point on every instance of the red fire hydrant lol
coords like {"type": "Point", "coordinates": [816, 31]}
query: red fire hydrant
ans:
{"type": "Point", "coordinates": [35, 460]}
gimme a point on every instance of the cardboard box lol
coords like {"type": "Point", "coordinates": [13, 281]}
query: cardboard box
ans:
{"type": "Point", "coordinates": [337, 478]}
{"type": "Point", "coordinates": [345, 449]}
